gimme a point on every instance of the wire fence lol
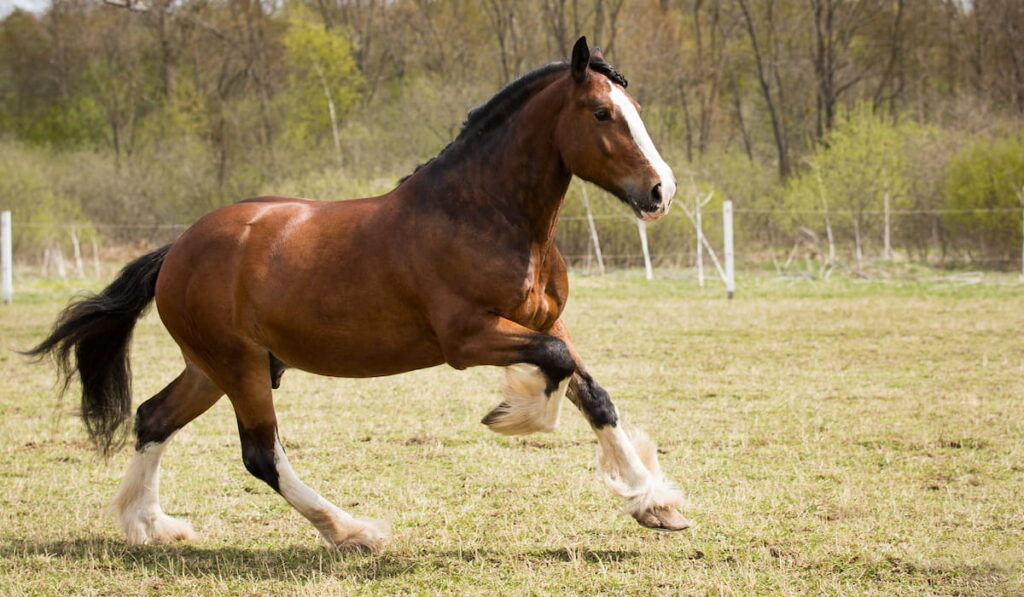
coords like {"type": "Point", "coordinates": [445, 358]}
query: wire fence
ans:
{"type": "Point", "coordinates": [598, 242]}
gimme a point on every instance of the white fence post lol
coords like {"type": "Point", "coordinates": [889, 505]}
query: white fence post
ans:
{"type": "Point", "coordinates": [1020, 196]}
{"type": "Point", "coordinates": [593, 230]}
{"type": "Point", "coordinates": [95, 256]}
{"type": "Point", "coordinates": [6, 261]}
{"type": "Point", "coordinates": [77, 246]}
{"type": "Point", "coordinates": [730, 268]}
{"type": "Point", "coordinates": [699, 226]}
{"type": "Point", "coordinates": [642, 227]}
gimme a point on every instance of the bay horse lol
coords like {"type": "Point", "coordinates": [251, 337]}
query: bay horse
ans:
{"type": "Point", "coordinates": [456, 265]}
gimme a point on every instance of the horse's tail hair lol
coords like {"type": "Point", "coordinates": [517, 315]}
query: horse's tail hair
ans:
{"type": "Point", "coordinates": [97, 330]}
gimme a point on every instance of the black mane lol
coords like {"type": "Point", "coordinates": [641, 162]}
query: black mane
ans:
{"type": "Point", "coordinates": [496, 110]}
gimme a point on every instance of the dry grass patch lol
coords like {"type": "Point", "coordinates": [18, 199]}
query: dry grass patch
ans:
{"type": "Point", "coordinates": [837, 439]}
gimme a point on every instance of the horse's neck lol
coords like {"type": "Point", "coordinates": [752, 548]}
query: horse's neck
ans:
{"type": "Point", "coordinates": [515, 174]}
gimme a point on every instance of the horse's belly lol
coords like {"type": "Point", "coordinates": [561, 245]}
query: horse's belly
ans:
{"type": "Point", "coordinates": [356, 351]}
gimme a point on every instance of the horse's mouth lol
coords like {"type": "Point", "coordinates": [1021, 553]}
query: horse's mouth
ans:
{"type": "Point", "coordinates": [653, 215]}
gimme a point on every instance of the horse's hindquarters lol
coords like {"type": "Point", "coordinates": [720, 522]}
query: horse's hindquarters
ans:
{"type": "Point", "coordinates": [315, 284]}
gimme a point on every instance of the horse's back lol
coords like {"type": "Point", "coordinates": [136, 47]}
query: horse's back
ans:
{"type": "Point", "coordinates": [277, 199]}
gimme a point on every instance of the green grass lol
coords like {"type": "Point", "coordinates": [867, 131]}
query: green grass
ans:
{"type": "Point", "coordinates": [835, 437]}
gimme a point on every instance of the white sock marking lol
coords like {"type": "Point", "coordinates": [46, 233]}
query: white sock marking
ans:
{"type": "Point", "coordinates": [628, 463]}
{"type": "Point", "coordinates": [308, 502]}
{"type": "Point", "coordinates": [137, 502]}
{"type": "Point", "coordinates": [339, 528]}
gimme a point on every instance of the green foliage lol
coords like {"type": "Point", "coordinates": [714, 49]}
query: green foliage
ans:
{"type": "Point", "coordinates": [158, 117]}
{"type": "Point", "coordinates": [862, 161]}
{"type": "Point", "coordinates": [186, 113]}
{"type": "Point", "coordinates": [987, 175]}
{"type": "Point", "coordinates": [322, 77]}
{"type": "Point", "coordinates": [37, 204]}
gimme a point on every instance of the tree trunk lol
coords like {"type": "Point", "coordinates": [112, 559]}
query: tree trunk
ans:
{"type": "Point", "coordinates": [888, 228]}
{"type": "Point", "coordinates": [330, 111]}
{"type": "Point", "coordinates": [858, 251]}
{"type": "Point", "coordinates": [778, 129]}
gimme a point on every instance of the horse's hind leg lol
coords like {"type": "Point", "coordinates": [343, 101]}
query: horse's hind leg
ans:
{"type": "Point", "coordinates": [137, 503]}
{"type": "Point", "coordinates": [264, 457]}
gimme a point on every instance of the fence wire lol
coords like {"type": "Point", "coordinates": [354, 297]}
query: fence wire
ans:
{"type": "Point", "coordinates": [939, 237]}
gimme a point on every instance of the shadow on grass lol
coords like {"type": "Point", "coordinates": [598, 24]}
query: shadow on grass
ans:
{"type": "Point", "coordinates": [295, 563]}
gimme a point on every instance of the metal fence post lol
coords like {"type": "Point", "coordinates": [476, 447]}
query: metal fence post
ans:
{"type": "Point", "coordinates": [730, 268]}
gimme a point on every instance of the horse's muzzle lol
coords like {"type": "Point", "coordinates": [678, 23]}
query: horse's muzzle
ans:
{"type": "Point", "coordinates": [657, 203]}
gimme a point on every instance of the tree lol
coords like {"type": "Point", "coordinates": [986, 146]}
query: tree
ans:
{"type": "Point", "coordinates": [324, 83]}
{"type": "Point", "coordinates": [837, 24]}
{"type": "Point", "coordinates": [985, 184]}
{"type": "Point", "coordinates": [860, 171]}
{"type": "Point", "coordinates": [766, 61]}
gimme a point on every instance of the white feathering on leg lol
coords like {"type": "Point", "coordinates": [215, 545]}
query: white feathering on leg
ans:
{"type": "Point", "coordinates": [341, 531]}
{"type": "Point", "coordinates": [526, 407]}
{"type": "Point", "coordinates": [137, 502]}
{"type": "Point", "coordinates": [636, 477]}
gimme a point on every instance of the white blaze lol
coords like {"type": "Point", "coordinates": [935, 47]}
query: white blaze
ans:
{"type": "Point", "coordinates": [643, 141]}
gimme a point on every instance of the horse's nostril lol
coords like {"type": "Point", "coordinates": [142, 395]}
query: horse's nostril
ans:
{"type": "Point", "coordinates": [656, 193]}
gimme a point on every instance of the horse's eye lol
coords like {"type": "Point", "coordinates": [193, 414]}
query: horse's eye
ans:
{"type": "Point", "coordinates": [603, 115]}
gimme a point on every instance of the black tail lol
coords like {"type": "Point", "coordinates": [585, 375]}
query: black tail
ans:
{"type": "Point", "coordinates": [98, 330]}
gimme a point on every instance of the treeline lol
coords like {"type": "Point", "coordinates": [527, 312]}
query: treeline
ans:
{"type": "Point", "coordinates": [849, 129]}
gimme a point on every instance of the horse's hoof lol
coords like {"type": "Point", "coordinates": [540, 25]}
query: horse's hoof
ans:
{"type": "Point", "coordinates": [370, 536]}
{"type": "Point", "coordinates": [157, 530]}
{"type": "Point", "coordinates": [662, 518]}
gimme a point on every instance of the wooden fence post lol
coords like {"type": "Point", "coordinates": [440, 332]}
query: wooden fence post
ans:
{"type": "Point", "coordinates": [77, 246]}
{"type": "Point", "coordinates": [6, 259]}
{"type": "Point", "coordinates": [593, 230]}
{"type": "Point", "coordinates": [699, 227]}
{"type": "Point", "coordinates": [642, 227]}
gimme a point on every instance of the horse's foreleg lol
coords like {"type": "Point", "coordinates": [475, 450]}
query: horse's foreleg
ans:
{"type": "Point", "coordinates": [137, 502]}
{"type": "Point", "coordinates": [264, 457]}
{"type": "Point", "coordinates": [538, 369]}
{"type": "Point", "coordinates": [627, 461]}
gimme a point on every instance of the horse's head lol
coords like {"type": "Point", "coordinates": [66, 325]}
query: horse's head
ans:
{"type": "Point", "coordinates": [603, 140]}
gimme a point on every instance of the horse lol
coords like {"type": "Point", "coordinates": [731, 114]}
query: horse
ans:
{"type": "Point", "coordinates": [456, 265]}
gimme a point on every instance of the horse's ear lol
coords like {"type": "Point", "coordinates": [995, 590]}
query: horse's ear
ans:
{"type": "Point", "coordinates": [596, 53]}
{"type": "Point", "coordinates": [580, 60]}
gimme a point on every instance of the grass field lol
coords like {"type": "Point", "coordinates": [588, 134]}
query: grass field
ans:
{"type": "Point", "coordinates": [833, 438]}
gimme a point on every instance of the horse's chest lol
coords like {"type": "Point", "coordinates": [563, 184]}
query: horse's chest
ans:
{"type": "Point", "coordinates": [541, 303]}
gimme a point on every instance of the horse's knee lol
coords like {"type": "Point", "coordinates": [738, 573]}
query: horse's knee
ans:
{"type": "Point", "coordinates": [550, 354]}
{"type": "Point", "coordinates": [554, 359]}
{"type": "Point", "coordinates": [593, 401]}
{"type": "Point", "coordinates": [258, 453]}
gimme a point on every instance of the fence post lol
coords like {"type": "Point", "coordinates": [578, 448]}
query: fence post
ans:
{"type": "Point", "coordinates": [1020, 197]}
{"type": "Point", "coordinates": [888, 228]}
{"type": "Point", "coordinates": [699, 226]}
{"type": "Point", "coordinates": [593, 230]}
{"type": "Point", "coordinates": [6, 261]}
{"type": "Point", "coordinates": [642, 227]}
{"type": "Point", "coordinates": [77, 246]}
{"type": "Point", "coordinates": [730, 268]}
{"type": "Point", "coordinates": [95, 256]}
